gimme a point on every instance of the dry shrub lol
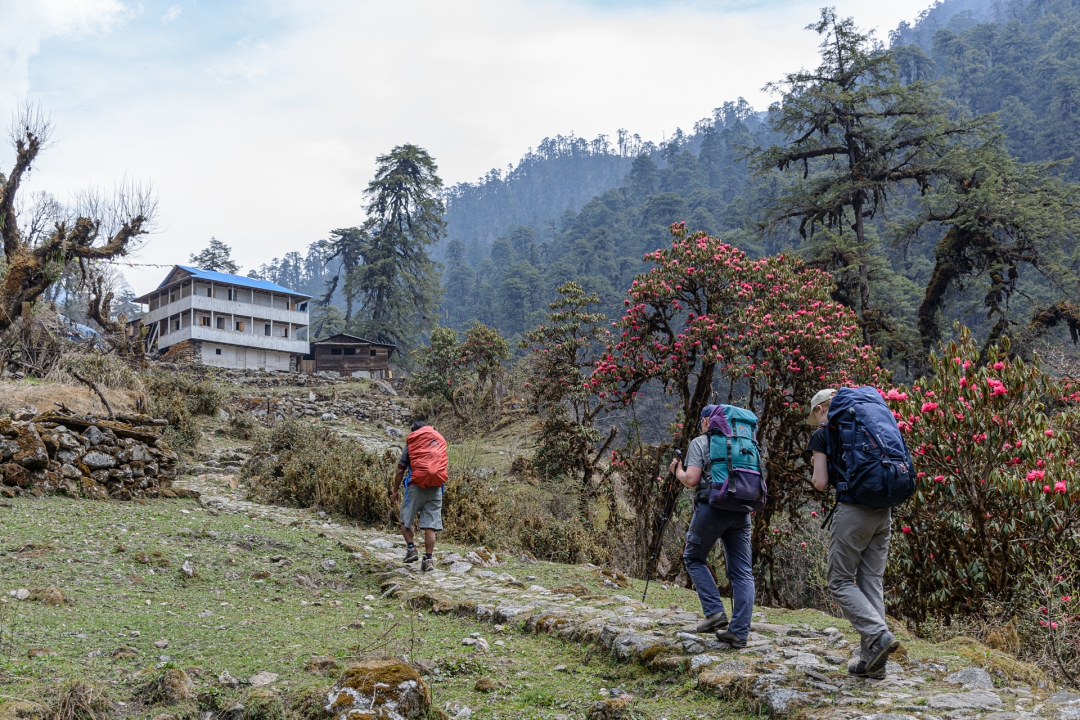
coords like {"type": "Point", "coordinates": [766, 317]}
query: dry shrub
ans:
{"type": "Point", "coordinates": [562, 541]}
{"type": "Point", "coordinates": [106, 370]}
{"type": "Point", "coordinates": [794, 562]}
{"type": "Point", "coordinates": [303, 465]}
{"type": "Point", "coordinates": [179, 396]}
{"type": "Point", "coordinates": [472, 510]}
{"type": "Point", "coordinates": [80, 701]}
{"type": "Point", "coordinates": [1004, 637]}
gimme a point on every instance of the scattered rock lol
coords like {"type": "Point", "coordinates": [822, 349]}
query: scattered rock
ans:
{"type": "Point", "coordinates": [161, 644]}
{"type": "Point", "coordinates": [610, 709]}
{"type": "Point", "coordinates": [322, 665]}
{"type": "Point", "coordinates": [783, 702]}
{"type": "Point", "coordinates": [459, 568]}
{"type": "Point", "coordinates": [378, 688]}
{"type": "Point", "coordinates": [20, 594]}
{"type": "Point", "coordinates": [262, 679]}
{"type": "Point", "coordinates": [171, 687]}
{"type": "Point", "coordinates": [226, 679]}
{"type": "Point", "coordinates": [188, 569]}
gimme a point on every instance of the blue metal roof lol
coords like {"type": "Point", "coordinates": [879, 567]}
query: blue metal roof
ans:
{"type": "Point", "coordinates": [213, 276]}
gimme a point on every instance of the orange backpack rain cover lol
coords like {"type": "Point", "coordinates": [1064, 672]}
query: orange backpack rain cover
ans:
{"type": "Point", "coordinates": [427, 457]}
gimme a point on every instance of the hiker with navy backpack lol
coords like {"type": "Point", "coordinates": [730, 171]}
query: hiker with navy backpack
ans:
{"type": "Point", "coordinates": [422, 470]}
{"type": "Point", "coordinates": [858, 449]}
{"type": "Point", "coordinates": [723, 468]}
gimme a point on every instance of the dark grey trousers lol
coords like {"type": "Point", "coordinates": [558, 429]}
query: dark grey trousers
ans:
{"type": "Point", "coordinates": [858, 551]}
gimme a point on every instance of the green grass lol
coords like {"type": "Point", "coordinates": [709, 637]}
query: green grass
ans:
{"type": "Point", "coordinates": [225, 619]}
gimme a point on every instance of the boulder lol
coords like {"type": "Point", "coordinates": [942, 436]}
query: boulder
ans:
{"type": "Point", "coordinates": [31, 454]}
{"type": "Point", "coordinates": [97, 460]}
{"type": "Point", "coordinates": [382, 688]}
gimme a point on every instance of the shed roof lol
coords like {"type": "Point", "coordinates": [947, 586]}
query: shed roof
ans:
{"type": "Point", "coordinates": [346, 339]}
{"type": "Point", "coordinates": [225, 279]}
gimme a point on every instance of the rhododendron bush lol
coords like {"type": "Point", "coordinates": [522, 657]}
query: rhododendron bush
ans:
{"type": "Point", "coordinates": [996, 457]}
{"type": "Point", "coordinates": [713, 324]}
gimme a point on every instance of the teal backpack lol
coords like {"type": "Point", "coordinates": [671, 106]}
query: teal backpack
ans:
{"type": "Point", "coordinates": [737, 481]}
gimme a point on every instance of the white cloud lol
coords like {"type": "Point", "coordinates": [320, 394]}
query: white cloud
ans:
{"type": "Point", "coordinates": [267, 139]}
{"type": "Point", "coordinates": [24, 24]}
{"type": "Point", "coordinates": [171, 14]}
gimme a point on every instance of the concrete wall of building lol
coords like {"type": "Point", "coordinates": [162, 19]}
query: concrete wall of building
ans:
{"type": "Point", "coordinates": [240, 358]}
{"type": "Point", "coordinates": [228, 337]}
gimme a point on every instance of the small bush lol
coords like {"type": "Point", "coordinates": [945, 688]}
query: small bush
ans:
{"type": "Point", "coordinates": [562, 541]}
{"type": "Point", "coordinates": [107, 371]}
{"type": "Point", "coordinates": [302, 465]}
{"type": "Point", "coordinates": [179, 397]}
{"type": "Point", "coordinates": [795, 562]}
{"type": "Point", "coordinates": [242, 426]}
{"type": "Point", "coordinates": [472, 510]}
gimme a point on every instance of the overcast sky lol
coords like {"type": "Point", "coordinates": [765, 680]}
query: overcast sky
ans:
{"type": "Point", "coordinates": [258, 121]}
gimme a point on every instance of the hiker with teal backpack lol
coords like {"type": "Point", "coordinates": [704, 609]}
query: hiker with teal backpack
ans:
{"type": "Point", "coordinates": [723, 468]}
{"type": "Point", "coordinates": [858, 449]}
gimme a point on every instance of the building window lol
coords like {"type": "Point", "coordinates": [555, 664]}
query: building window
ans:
{"type": "Point", "coordinates": [285, 332]}
{"type": "Point", "coordinates": [266, 329]}
{"type": "Point", "coordinates": [221, 323]}
{"type": "Point", "coordinates": [204, 321]}
{"type": "Point", "coordinates": [372, 352]}
{"type": "Point", "coordinates": [217, 351]}
{"type": "Point", "coordinates": [209, 292]}
{"type": "Point", "coordinates": [239, 325]}
{"type": "Point", "coordinates": [302, 307]}
{"type": "Point", "coordinates": [176, 324]}
{"type": "Point", "coordinates": [232, 294]}
{"type": "Point", "coordinates": [350, 351]}
{"type": "Point", "coordinates": [335, 351]}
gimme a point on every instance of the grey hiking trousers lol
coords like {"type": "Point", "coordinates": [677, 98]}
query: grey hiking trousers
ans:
{"type": "Point", "coordinates": [858, 551]}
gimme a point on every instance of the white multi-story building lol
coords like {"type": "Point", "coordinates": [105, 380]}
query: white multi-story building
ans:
{"type": "Point", "coordinates": [227, 320]}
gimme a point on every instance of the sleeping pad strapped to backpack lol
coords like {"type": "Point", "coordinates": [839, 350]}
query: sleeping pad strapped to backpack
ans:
{"type": "Point", "coordinates": [737, 482]}
{"type": "Point", "coordinates": [878, 470]}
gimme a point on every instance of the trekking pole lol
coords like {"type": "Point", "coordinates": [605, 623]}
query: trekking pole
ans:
{"type": "Point", "coordinates": [669, 506]}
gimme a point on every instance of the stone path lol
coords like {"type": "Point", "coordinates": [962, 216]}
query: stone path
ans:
{"type": "Point", "coordinates": [785, 670]}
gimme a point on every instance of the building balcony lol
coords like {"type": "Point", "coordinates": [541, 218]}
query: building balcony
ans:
{"type": "Point", "coordinates": [227, 307]}
{"type": "Point", "coordinates": [228, 337]}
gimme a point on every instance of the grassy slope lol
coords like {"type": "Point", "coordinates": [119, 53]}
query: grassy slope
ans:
{"type": "Point", "coordinates": [226, 619]}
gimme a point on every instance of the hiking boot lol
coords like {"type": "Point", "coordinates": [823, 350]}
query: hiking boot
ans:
{"type": "Point", "coordinates": [879, 652]}
{"type": "Point", "coordinates": [411, 555]}
{"type": "Point", "coordinates": [427, 565]}
{"type": "Point", "coordinates": [860, 670]}
{"type": "Point", "coordinates": [726, 636]}
{"type": "Point", "coordinates": [716, 621]}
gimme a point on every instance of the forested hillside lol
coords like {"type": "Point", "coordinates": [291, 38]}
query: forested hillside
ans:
{"type": "Point", "coordinates": [589, 210]}
{"type": "Point", "coordinates": [1021, 60]}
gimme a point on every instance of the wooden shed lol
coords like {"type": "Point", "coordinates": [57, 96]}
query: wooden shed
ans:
{"type": "Point", "coordinates": [351, 355]}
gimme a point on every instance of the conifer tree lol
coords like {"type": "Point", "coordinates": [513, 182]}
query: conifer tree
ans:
{"type": "Point", "coordinates": [856, 133]}
{"type": "Point", "coordinates": [386, 262]}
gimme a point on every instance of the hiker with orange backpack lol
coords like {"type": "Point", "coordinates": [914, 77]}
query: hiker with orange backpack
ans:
{"type": "Point", "coordinates": [423, 470]}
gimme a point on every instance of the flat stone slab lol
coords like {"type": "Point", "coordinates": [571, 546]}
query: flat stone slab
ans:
{"type": "Point", "coordinates": [974, 699]}
{"type": "Point", "coordinates": [1063, 698]}
{"type": "Point", "coordinates": [783, 702]}
{"type": "Point", "coordinates": [972, 678]}
{"type": "Point", "coordinates": [459, 568]}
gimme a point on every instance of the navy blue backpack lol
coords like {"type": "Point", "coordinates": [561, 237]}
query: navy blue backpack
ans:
{"type": "Point", "coordinates": [879, 472]}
